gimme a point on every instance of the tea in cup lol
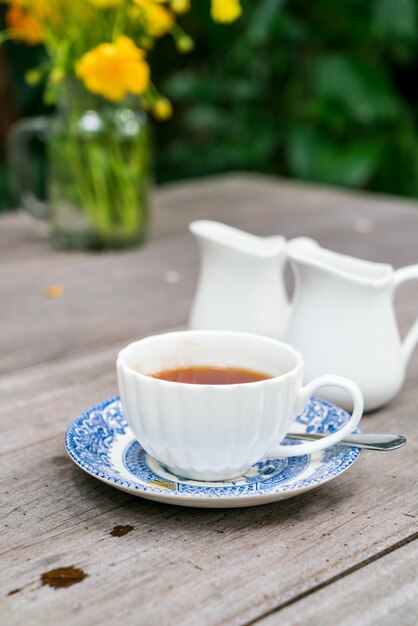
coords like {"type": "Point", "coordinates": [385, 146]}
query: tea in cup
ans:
{"type": "Point", "coordinates": [210, 404]}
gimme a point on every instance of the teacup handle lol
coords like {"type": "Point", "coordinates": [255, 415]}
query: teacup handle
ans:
{"type": "Point", "coordinates": [304, 394]}
{"type": "Point", "coordinates": [411, 339]}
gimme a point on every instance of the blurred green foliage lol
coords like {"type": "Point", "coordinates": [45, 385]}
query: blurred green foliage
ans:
{"type": "Point", "coordinates": [26, 101]}
{"type": "Point", "coordinates": [323, 91]}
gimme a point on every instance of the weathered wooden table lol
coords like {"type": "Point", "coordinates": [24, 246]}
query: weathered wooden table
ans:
{"type": "Point", "coordinates": [346, 554]}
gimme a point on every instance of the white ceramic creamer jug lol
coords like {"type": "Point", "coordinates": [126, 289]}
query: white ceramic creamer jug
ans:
{"type": "Point", "coordinates": [343, 321]}
{"type": "Point", "coordinates": [241, 283]}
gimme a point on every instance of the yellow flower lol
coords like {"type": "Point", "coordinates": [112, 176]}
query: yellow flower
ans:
{"type": "Point", "coordinates": [105, 4]}
{"type": "Point", "coordinates": [113, 70]}
{"type": "Point", "coordinates": [225, 11]}
{"type": "Point", "coordinates": [180, 6]}
{"type": "Point", "coordinates": [162, 109]}
{"type": "Point", "coordinates": [22, 25]}
{"type": "Point", "coordinates": [157, 20]}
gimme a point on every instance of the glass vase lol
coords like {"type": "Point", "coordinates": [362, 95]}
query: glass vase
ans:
{"type": "Point", "coordinates": [98, 171]}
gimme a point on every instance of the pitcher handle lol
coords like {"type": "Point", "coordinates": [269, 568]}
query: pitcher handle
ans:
{"type": "Point", "coordinates": [20, 164]}
{"type": "Point", "coordinates": [411, 339]}
{"type": "Point", "coordinates": [304, 394]}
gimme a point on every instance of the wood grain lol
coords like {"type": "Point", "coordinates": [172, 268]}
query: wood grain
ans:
{"type": "Point", "coordinates": [233, 565]}
{"type": "Point", "coordinates": [114, 297]}
{"type": "Point", "coordinates": [272, 564]}
{"type": "Point", "coordinates": [384, 592]}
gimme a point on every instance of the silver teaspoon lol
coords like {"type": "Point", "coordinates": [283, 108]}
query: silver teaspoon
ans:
{"type": "Point", "coordinates": [369, 442]}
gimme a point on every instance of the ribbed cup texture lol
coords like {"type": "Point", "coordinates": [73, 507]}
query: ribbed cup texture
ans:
{"type": "Point", "coordinates": [208, 432]}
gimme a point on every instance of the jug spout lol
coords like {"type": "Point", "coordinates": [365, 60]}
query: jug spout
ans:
{"type": "Point", "coordinates": [236, 240]}
{"type": "Point", "coordinates": [307, 255]}
{"type": "Point", "coordinates": [241, 283]}
{"type": "Point", "coordinates": [343, 322]}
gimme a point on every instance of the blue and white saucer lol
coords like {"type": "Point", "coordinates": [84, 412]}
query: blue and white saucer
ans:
{"type": "Point", "coordinates": [101, 443]}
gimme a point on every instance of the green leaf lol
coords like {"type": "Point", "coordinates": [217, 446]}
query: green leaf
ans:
{"type": "Point", "coordinates": [262, 20]}
{"type": "Point", "coordinates": [314, 156]}
{"type": "Point", "coordinates": [206, 118]}
{"type": "Point", "coordinates": [395, 19]}
{"type": "Point", "coordinates": [361, 87]}
{"type": "Point", "coordinates": [189, 86]}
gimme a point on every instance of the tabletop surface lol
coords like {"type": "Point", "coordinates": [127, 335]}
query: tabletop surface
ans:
{"type": "Point", "coordinates": [346, 553]}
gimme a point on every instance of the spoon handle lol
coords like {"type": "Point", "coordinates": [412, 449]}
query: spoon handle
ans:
{"type": "Point", "coordinates": [366, 441]}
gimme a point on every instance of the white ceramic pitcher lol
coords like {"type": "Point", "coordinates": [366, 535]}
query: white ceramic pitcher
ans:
{"type": "Point", "coordinates": [241, 283]}
{"type": "Point", "coordinates": [343, 321]}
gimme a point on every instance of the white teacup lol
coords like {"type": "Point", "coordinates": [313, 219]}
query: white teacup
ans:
{"type": "Point", "coordinates": [217, 432]}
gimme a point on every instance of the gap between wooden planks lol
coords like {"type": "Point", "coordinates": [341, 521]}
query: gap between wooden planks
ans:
{"type": "Point", "coordinates": [101, 291]}
{"type": "Point", "coordinates": [383, 590]}
{"type": "Point", "coordinates": [40, 401]}
{"type": "Point", "coordinates": [278, 543]}
{"type": "Point", "coordinates": [44, 530]}
{"type": "Point", "coordinates": [58, 515]}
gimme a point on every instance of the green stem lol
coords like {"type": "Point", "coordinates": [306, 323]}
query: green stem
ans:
{"type": "Point", "coordinates": [107, 174]}
{"type": "Point", "coordinates": [120, 20]}
{"type": "Point", "coordinates": [4, 36]}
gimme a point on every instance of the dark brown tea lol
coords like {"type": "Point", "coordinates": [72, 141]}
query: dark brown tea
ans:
{"type": "Point", "coordinates": [208, 375]}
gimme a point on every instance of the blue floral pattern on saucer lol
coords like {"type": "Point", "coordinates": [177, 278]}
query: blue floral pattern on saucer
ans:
{"type": "Point", "coordinates": [101, 443]}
